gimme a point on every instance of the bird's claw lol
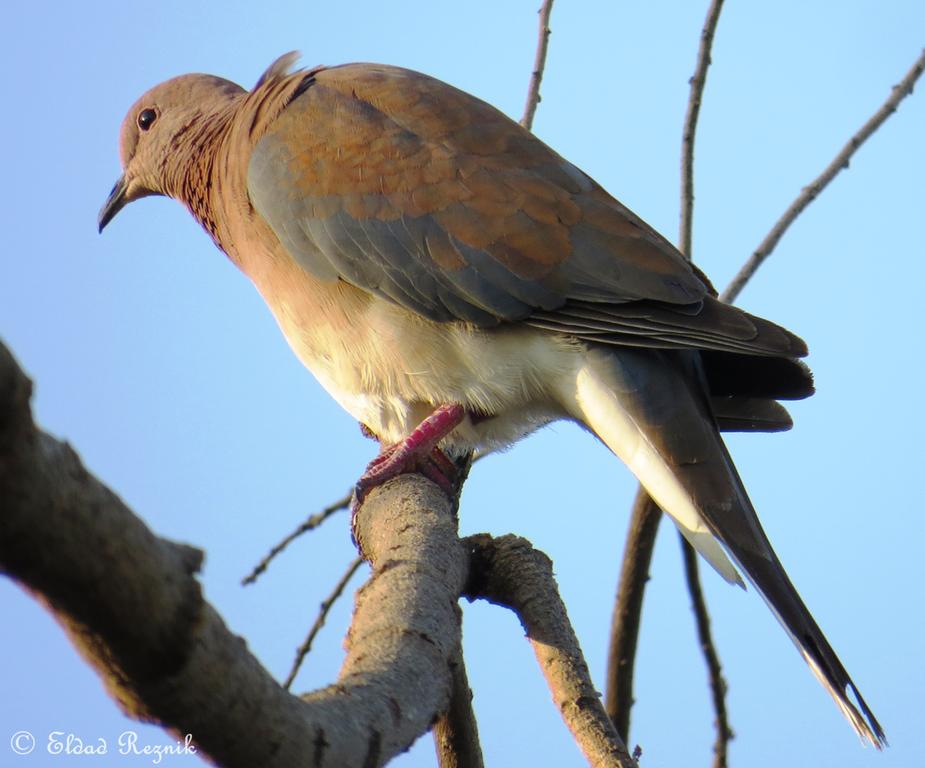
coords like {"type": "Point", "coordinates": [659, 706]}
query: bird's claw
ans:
{"type": "Point", "coordinates": [416, 453]}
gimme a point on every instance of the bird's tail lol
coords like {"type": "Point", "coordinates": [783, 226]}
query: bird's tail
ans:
{"type": "Point", "coordinates": [650, 409]}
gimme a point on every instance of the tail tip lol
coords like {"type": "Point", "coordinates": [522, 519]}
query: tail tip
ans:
{"type": "Point", "coordinates": [863, 719]}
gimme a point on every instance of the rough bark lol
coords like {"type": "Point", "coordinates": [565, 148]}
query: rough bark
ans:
{"type": "Point", "coordinates": [133, 607]}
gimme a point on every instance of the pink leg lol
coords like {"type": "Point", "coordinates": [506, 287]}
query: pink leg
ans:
{"type": "Point", "coordinates": [440, 470]}
{"type": "Point", "coordinates": [418, 450]}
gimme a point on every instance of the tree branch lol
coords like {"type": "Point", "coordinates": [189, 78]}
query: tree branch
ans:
{"type": "Point", "coordinates": [539, 65]}
{"type": "Point", "coordinates": [812, 190]}
{"type": "Point", "coordinates": [627, 612]}
{"type": "Point", "coordinates": [714, 670]}
{"type": "Point", "coordinates": [685, 244]}
{"type": "Point", "coordinates": [508, 571]}
{"type": "Point", "coordinates": [325, 608]}
{"type": "Point", "coordinates": [456, 733]}
{"type": "Point", "coordinates": [130, 602]}
{"type": "Point", "coordinates": [312, 522]}
{"type": "Point", "coordinates": [698, 82]}
{"type": "Point", "coordinates": [646, 516]}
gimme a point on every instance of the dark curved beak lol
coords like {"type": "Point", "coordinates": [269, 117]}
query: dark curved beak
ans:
{"type": "Point", "coordinates": [114, 203]}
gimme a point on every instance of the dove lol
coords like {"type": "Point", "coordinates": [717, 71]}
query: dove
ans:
{"type": "Point", "coordinates": [455, 285]}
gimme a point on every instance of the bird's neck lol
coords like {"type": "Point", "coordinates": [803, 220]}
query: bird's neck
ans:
{"type": "Point", "coordinates": [191, 172]}
{"type": "Point", "coordinates": [214, 184]}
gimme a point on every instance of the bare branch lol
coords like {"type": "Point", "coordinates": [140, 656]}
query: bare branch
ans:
{"type": "Point", "coordinates": [136, 612]}
{"type": "Point", "coordinates": [685, 244]}
{"type": "Point", "coordinates": [717, 683]}
{"type": "Point", "coordinates": [627, 613]}
{"type": "Point", "coordinates": [508, 571]}
{"type": "Point", "coordinates": [624, 631]}
{"type": "Point", "coordinates": [312, 522]}
{"type": "Point", "coordinates": [325, 608]}
{"type": "Point", "coordinates": [812, 190]}
{"type": "Point", "coordinates": [698, 81]}
{"type": "Point", "coordinates": [456, 733]}
{"type": "Point", "coordinates": [539, 65]}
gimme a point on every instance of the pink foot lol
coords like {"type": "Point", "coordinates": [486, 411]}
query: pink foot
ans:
{"type": "Point", "coordinates": [417, 452]}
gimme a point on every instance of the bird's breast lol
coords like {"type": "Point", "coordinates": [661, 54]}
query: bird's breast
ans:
{"type": "Point", "coordinates": [390, 368]}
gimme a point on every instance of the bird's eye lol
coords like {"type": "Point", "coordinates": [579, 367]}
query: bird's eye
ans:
{"type": "Point", "coordinates": [146, 118]}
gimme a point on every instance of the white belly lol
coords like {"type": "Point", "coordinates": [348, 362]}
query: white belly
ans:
{"type": "Point", "coordinates": [390, 369]}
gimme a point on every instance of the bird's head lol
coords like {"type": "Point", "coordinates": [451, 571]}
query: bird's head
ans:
{"type": "Point", "coordinates": [163, 133]}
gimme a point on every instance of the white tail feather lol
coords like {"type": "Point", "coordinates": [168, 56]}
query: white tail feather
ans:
{"type": "Point", "coordinates": [596, 402]}
{"type": "Point", "coordinates": [605, 395]}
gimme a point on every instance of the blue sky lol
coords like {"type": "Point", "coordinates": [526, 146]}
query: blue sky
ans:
{"type": "Point", "coordinates": [159, 363]}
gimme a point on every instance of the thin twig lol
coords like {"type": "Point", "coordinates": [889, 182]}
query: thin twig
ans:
{"type": "Point", "coordinates": [624, 629]}
{"type": "Point", "coordinates": [685, 243]}
{"type": "Point", "coordinates": [697, 82]}
{"type": "Point", "coordinates": [646, 516]}
{"type": "Point", "coordinates": [715, 672]}
{"type": "Point", "coordinates": [456, 732]}
{"type": "Point", "coordinates": [312, 522]}
{"type": "Point", "coordinates": [811, 191]}
{"type": "Point", "coordinates": [539, 65]}
{"type": "Point", "coordinates": [323, 611]}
